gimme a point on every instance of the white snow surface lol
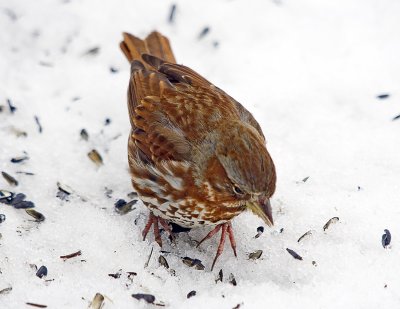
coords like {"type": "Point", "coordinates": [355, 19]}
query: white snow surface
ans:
{"type": "Point", "coordinates": [309, 70]}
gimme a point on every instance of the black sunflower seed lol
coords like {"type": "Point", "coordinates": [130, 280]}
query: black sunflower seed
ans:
{"type": "Point", "coordinates": [294, 254]}
{"type": "Point", "coordinates": [42, 272]}
{"type": "Point", "coordinates": [386, 239]}
{"type": "Point", "coordinates": [191, 294]}
{"type": "Point", "coordinates": [146, 297]}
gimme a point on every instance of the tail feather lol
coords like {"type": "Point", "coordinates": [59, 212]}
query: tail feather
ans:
{"type": "Point", "coordinates": [155, 44]}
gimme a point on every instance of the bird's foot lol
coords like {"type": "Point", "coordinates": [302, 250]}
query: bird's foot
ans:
{"type": "Point", "coordinates": [226, 228]}
{"type": "Point", "coordinates": [153, 221]}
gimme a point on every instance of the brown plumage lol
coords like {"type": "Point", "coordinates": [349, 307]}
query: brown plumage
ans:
{"type": "Point", "coordinates": [197, 157]}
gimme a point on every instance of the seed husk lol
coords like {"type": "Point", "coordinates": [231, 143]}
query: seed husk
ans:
{"type": "Point", "coordinates": [383, 96]}
{"type": "Point", "coordinates": [116, 275]}
{"type": "Point", "coordinates": [97, 301]}
{"type": "Point", "coordinates": [4, 194]}
{"type": "Point", "coordinates": [171, 17]}
{"type": "Point", "coordinates": [2, 218]}
{"type": "Point", "coordinates": [132, 195]}
{"type": "Point", "coordinates": [84, 135]}
{"type": "Point", "coordinates": [260, 230]}
{"type": "Point", "coordinates": [146, 297]}
{"type": "Point", "coordinates": [72, 255]}
{"type": "Point", "coordinates": [220, 276]}
{"type": "Point", "coordinates": [11, 180]}
{"type": "Point", "coordinates": [330, 221]}
{"type": "Point", "coordinates": [386, 238]}
{"type": "Point", "coordinates": [195, 263]}
{"type": "Point", "coordinates": [232, 280]}
{"type": "Point", "coordinates": [95, 157]}
{"type": "Point", "coordinates": [305, 235]}
{"type": "Point", "coordinates": [92, 51]}
{"type": "Point", "coordinates": [11, 106]}
{"type": "Point", "coordinates": [204, 32]}
{"type": "Point", "coordinates": [294, 254]}
{"type": "Point", "coordinates": [42, 272]}
{"type": "Point", "coordinates": [19, 159]}
{"type": "Point", "coordinates": [191, 294]}
{"type": "Point", "coordinates": [122, 207]}
{"type": "Point", "coordinates": [37, 215]}
{"type": "Point", "coordinates": [40, 128]}
{"type": "Point", "coordinates": [163, 261]}
{"type": "Point", "coordinates": [255, 255]}
{"type": "Point", "coordinates": [36, 305]}
{"type": "Point", "coordinates": [6, 290]}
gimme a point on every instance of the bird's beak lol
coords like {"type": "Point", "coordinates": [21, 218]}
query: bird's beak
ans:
{"type": "Point", "coordinates": [262, 208]}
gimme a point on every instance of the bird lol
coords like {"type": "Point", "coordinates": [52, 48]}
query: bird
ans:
{"type": "Point", "coordinates": [197, 157]}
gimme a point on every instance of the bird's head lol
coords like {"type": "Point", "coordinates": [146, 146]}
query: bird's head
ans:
{"type": "Point", "coordinates": [248, 171]}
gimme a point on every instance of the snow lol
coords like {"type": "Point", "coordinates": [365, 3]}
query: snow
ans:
{"type": "Point", "coordinates": [309, 70]}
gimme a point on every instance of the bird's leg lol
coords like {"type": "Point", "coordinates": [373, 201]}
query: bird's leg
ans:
{"type": "Point", "coordinates": [153, 221]}
{"type": "Point", "coordinates": [226, 228]}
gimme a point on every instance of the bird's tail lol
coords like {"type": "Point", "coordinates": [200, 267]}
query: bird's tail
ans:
{"type": "Point", "coordinates": [154, 44]}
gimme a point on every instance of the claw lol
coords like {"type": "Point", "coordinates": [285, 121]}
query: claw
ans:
{"type": "Point", "coordinates": [153, 221]}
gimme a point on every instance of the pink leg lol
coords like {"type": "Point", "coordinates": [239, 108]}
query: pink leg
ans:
{"type": "Point", "coordinates": [149, 223]}
{"type": "Point", "coordinates": [157, 235]}
{"type": "Point", "coordinates": [232, 238]}
{"type": "Point", "coordinates": [153, 221]}
{"type": "Point", "coordinates": [221, 244]}
{"type": "Point", "coordinates": [211, 234]}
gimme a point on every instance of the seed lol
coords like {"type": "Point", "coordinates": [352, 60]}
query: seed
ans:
{"type": "Point", "coordinates": [116, 275]}
{"type": "Point", "coordinates": [4, 194]}
{"type": "Point", "coordinates": [386, 239]}
{"type": "Point", "coordinates": [330, 221]}
{"type": "Point", "coordinates": [11, 180]}
{"type": "Point", "coordinates": [163, 261]}
{"type": "Point", "coordinates": [37, 215]}
{"type": "Point", "coordinates": [171, 17]}
{"type": "Point", "coordinates": [260, 230]}
{"type": "Point", "coordinates": [220, 276]}
{"type": "Point", "coordinates": [122, 207]}
{"type": "Point", "coordinates": [305, 235]}
{"type": "Point", "coordinates": [72, 255]}
{"type": "Point", "coordinates": [383, 96]}
{"type": "Point", "coordinates": [195, 263]}
{"type": "Point", "coordinates": [314, 263]}
{"type": "Point", "coordinates": [204, 32]}
{"type": "Point", "coordinates": [255, 255]}
{"type": "Point", "coordinates": [84, 135]}
{"type": "Point", "coordinates": [38, 124]}
{"type": "Point", "coordinates": [42, 272]}
{"type": "Point", "coordinates": [396, 117]}
{"type": "Point", "coordinates": [11, 106]}
{"type": "Point", "coordinates": [92, 51]}
{"type": "Point", "coordinates": [6, 290]}
{"type": "Point", "coordinates": [191, 294]}
{"type": "Point", "coordinates": [107, 121]}
{"type": "Point", "coordinates": [97, 301]}
{"type": "Point", "coordinates": [2, 218]}
{"type": "Point", "coordinates": [132, 195]}
{"type": "Point", "coordinates": [294, 254]}
{"type": "Point", "coordinates": [146, 297]}
{"type": "Point", "coordinates": [19, 159]}
{"type": "Point", "coordinates": [63, 191]}
{"type": "Point", "coordinates": [305, 179]}
{"type": "Point", "coordinates": [36, 305]}
{"type": "Point", "coordinates": [113, 70]}
{"type": "Point", "coordinates": [95, 157]}
{"type": "Point", "coordinates": [232, 280]}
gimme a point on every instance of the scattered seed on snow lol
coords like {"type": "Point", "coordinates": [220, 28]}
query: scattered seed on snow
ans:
{"type": "Point", "coordinates": [95, 157]}
{"type": "Point", "coordinates": [84, 135]}
{"type": "Point", "coordinates": [6, 290]}
{"type": "Point", "coordinates": [11, 180]}
{"type": "Point", "coordinates": [116, 275]}
{"type": "Point", "coordinates": [195, 263]}
{"type": "Point", "coordinates": [2, 218]}
{"type": "Point", "coordinates": [305, 179]}
{"type": "Point", "coordinates": [330, 221]}
{"type": "Point", "coordinates": [35, 214]}
{"type": "Point", "coordinates": [294, 254]}
{"type": "Point", "coordinates": [204, 32]}
{"type": "Point", "coordinates": [19, 159]}
{"type": "Point", "coordinates": [386, 239]}
{"type": "Point", "coordinates": [72, 255]}
{"type": "Point", "coordinates": [92, 51]}
{"type": "Point", "coordinates": [191, 294]}
{"type": "Point", "coordinates": [132, 195]}
{"type": "Point", "coordinates": [107, 121]}
{"type": "Point", "coordinates": [122, 207]}
{"type": "Point", "coordinates": [40, 128]}
{"type": "Point", "coordinates": [146, 297]}
{"type": "Point", "coordinates": [232, 280]}
{"type": "Point", "coordinates": [260, 230]}
{"type": "Point", "coordinates": [11, 106]}
{"type": "Point", "coordinates": [396, 117]}
{"type": "Point", "coordinates": [305, 235]}
{"type": "Point", "coordinates": [163, 261]}
{"type": "Point", "coordinates": [36, 305]}
{"type": "Point", "coordinates": [42, 272]}
{"type": "Point", "coordinates": [172, 12]}
{"type": "Point", "coordinates": [255, 255]}
{"type": "Point", "coordinates": [383, 96]}
{"type": "Point", "coordinates": [97, 301]}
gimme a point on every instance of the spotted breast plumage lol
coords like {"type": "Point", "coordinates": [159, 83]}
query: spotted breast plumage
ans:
{"type": "Point", "coordinates": [197, 157]}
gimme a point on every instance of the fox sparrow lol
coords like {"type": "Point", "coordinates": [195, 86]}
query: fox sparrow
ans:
{"type": "Point", "coordinates": [197, 157]}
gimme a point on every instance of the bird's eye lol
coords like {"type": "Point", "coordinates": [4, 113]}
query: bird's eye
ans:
{"type": "Point", "coordinates": [237, 190]}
